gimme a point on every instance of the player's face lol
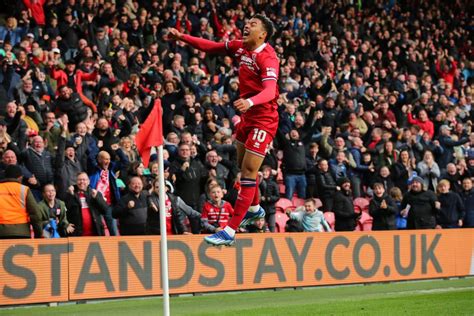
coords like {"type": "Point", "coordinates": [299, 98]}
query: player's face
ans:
{"type": "Point", "coordinates": [253, 32]}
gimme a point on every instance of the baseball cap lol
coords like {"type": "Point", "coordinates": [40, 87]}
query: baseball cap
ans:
{"type": "Point", "coordinates": [56, 50]}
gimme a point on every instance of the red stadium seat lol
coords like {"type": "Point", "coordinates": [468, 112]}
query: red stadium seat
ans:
{"type": "Point", "coordinates": [283, 203]}
{"type": "Point", "coordinates": [364, 223]}
{"type": "Point", "coordinates": [297, 201]}
{"type": "Point", "coordinates": [280, 222]}
{"type": "Point", "coordinates": [318, 203]}
{"type": "Point", "coordinates": [330, 218]}
{"type": "Point", "coordinates": [361, 205]}
{"type": "Point", "coordinates": [281, 189]}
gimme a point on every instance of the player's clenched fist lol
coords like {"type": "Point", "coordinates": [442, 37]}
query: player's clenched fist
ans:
{"type": "Point", "coordinates": [242, 105]}
{"type": "Point", "coordinates": [174, 34]}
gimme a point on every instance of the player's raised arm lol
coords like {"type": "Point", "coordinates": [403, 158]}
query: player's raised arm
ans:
{"type": "Point", "coordinates": [199, 43]}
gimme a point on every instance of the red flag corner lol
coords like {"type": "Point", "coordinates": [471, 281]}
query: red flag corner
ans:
{"type": "Point", "coordinates": [150, 133]}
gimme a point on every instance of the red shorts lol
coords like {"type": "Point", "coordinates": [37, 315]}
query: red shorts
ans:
{"type": "Point", "coordinates": [255, 139]}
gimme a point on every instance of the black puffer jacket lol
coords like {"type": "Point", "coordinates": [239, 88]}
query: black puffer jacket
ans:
{"type": "Point", "coordinates": [384, 218]}
{"type": "Point", "coordinates": [75, 109]}
{"type": "Point", "coordinates": [422, 214]}
{"type": "Point", "coordinates": [452, 209]}
{"type": "Point", "coordinates": [132, 220]}
{"type": "Point", "coordinates": [344, 212]}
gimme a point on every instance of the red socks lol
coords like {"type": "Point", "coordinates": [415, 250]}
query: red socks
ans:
{"type": "Point", "coordinates": [244, 200]}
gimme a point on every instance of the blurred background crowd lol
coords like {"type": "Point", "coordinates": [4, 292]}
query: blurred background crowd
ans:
{"type": "Point", "coordinates": [375, 104]}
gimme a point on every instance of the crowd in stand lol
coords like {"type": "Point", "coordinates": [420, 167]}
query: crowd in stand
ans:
{"type": "Point", "coordinates": [375, 101]}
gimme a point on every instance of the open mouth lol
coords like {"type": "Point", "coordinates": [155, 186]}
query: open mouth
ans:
{"type": "Point", "coordinates": [246, 33]}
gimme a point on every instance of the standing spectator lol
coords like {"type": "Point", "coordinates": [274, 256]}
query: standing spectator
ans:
{"type": "Point", "coordinates": [70, 103]}
{"type": "Point", "coordinates": [451, 210]}
{"type": "Point", "coordinates": [403, 170]}
{"type": "Point", "coordinates": [467, 196]}
{"type": "Point", "coordinates": [422, 121]}
{"type": "Point", "coordinates": [448, 143]}
{"type": "Point", "coordinates": [269, 195]}
{"type": "Point", "coordinates": [217, 212]}
{"type": "Point", "coordinates": [190, 176]}
{"type": "Point", "coordinates": [39, 161]}
{"type": "Point", "coordinates": [419, 206]}
{"type": "Point", "coordinates": [103, 179]}
{"type": "Point", "coordinates": [67, 166]}
{"type": "Point", "coordinates": [346, 217]}
{"type": "Point", "coordinates": [16, 126]}
{"type": "Point", "coordinates": [216, 168]}
{"type": "Point", "coordinates": [397, 197]}
{"type": "Point", "coordinates": [175, 211]}
{"type": "Point", "coordinates": [310, 217]}
{"type": "Point", "coordinates": [326, 185]}
{"type": "Point", "coordinates": [54, 209]}
{"type": "Point", "coordinates": [340, 166]}
{"type": "Point", "coordinates": [312, 159]}
{"type": "Point", "coordinates": [428, 169]}
{"type": "Point", "coordinates": [383, 209]}
{"type": "Point", "coordinates": [19, 208]}
{"type": "Point", "coordinates": [132, 209]}
{"type": "Point", "coordinates": [294, 164]}
{"type": "Point", "coordinates": [85, 207]}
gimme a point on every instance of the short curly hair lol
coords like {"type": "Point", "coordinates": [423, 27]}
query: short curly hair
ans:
{"type": "Point", "coordinates": [268, 25]}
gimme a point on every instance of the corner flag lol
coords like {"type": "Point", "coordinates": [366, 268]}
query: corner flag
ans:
{"type": "Point", "coordinates": [150, 133]}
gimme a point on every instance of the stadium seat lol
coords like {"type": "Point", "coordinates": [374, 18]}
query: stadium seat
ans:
{"type": "Point", "coordinates": [361, 205]}
{"type": "Point", "coordinates": [283, 203]}
{"type": "Point", "coordinates": [297, 201]}
{"type": "Point", "coordinates": [318, 203]}
{"type": "Point", "coordinates": [364, 223]}
{"type": "Point", "coordinates": [281, 189]}
{"type": "Point", "coordinates": [280, 222]}
{"type": "Point", "coordinates": [330, 218]}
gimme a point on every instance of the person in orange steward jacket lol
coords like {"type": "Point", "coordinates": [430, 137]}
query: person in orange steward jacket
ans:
{"type": "Point", "coordinates": [18, 207]}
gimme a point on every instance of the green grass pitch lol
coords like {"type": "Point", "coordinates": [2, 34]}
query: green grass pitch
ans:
{"type": "Point", "coordinates": [432, 297]}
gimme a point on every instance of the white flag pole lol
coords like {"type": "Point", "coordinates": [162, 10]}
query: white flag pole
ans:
{"type": "Point", "coordinates": [164, 241]}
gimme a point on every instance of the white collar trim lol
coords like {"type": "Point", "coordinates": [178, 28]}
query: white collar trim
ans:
{"type": "Point", "coordinates": [260, 48]}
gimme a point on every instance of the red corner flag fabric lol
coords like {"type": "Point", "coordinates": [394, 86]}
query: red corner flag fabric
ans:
{"type": "Point", "coordinates": [150, 133]}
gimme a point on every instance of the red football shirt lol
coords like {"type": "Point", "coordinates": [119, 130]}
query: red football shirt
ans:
{"type": "Point", "coordinates": [255, 67]}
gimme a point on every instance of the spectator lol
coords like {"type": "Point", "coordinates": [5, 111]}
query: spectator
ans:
{"type": "Point", "coordinates": [175, 208]}
{"type": "Point", "coordinates": [383, 209]}
{"type": "Point", "coordinates": [397, 196]}
{"type": "Point", "coordinates": [269, 195]}
{"type": "Point", "coordinates": [67, 166]}
{"type": "Point", "coordinates": [40, 163]}
{"type": "Point", "coordinates": [419, 206]}
{"type": "Point", "coordinates": [103, 179]}
{"type": "Point", "coordinates": [467, 196]}
{"type": "Point", "coordinates": [451, 210]}
{"type": "Point", "coordinates": [403, 170]}
{"type": "Point", "coordinates": [294, 164]}
{"type": "Point", "coordinates": [327, 186]}
{"type": "Point", "coordinates": [312, 159]}
{"type": "Point", "coordinates": [85, 206]}
{"type": "Point", "coordinates": [448, 143]}
{"type": "Point", "coordinates": [258, 226]}
{"type": "Point", "coordinates": [132, 209]}
{"type": "Point", "coordinates": [19, 208]}
{"type": "Point", "coordinates": [190, 176]}
{"type": "Point", "coordinates": [310, 217]}
{"type": "Point", "coordinates": [216, 211]}
{"type": "Point", "coordinates": [346, 217]}
{"type": "Point", "coordinates": [428, 169]}
{"type": "Point", "coordinates": [54, 209]}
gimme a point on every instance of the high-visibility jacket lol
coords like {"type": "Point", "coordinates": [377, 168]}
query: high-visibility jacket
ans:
{"type": "Point", "coordinates": [13, 203]}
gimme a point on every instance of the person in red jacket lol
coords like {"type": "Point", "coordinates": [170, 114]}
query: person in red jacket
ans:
{"type": "Point", "coordinates": [422, 121]}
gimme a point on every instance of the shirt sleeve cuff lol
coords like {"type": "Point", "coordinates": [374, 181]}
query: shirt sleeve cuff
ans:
{"type": "Point", "coordinates": [250, 101]}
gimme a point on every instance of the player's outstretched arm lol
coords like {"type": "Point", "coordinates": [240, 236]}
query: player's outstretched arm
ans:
{"type": "Point", "coordinates": [199, 43]}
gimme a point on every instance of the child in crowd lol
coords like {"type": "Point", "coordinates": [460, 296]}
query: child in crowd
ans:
{"type": "Point", "coordinates": [216, 211]}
